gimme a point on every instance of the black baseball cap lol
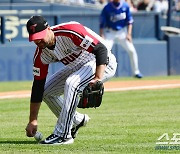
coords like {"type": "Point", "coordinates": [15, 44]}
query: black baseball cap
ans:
{"type": "Point", "coordinates": [36, 27]}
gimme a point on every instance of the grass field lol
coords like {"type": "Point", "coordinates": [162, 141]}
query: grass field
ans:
{"type": "Point", "coordinates": [127, 122]}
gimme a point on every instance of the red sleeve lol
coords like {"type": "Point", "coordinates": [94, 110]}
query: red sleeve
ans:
{"type": "Point", "coordinates": [40, 70]}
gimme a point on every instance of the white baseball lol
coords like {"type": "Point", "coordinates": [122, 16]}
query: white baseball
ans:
{"type": "Point", "coordinates": [38, 136]}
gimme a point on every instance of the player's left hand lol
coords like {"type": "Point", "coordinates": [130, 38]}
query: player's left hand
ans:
{"type": "Point", "coordinates": [92, 95]}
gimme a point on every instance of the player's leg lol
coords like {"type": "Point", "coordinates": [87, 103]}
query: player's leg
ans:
{"type": "Point", "coordinates": [74, 83]}
{"type": "Point", "coordinates": [129, 47]}
{"type": "Point", "coordinates": [54, 87]}
{"type": "Point", "coordinates": [109, 37]}
{"type": "Point", "coordinates": [53, 90]}
{"type": "Point", "coordinates": [109, 73]}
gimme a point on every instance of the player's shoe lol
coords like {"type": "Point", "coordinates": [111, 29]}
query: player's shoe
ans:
{"type": "Point", "coordinates": [139, 76]}
{"type": "Point", "coordinates": [56, 140]}
{"type": "Point", "coordinates": [74, 130]}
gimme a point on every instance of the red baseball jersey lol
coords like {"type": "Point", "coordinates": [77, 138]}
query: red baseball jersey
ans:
{"type": "Point", "coordinates": [74, 45]}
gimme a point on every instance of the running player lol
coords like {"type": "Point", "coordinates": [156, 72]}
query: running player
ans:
{"type": "Point", "coordinates": [86, 60]}
{"type": "Point", "coordinates": [116, 24]}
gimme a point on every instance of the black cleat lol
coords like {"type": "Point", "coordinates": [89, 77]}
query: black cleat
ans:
{"type": "Point", "coordinates": [74, 130]}
{"type": "Point", "coordinates": [56, 140]}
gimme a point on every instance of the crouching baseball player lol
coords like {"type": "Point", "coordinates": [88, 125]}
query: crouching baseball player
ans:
{"type": "Point", "coordinates": [88, 64]}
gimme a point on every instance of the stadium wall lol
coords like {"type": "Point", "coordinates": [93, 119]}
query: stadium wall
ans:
{"type": "Point", "coordinates": [16, 60]}
{"type": "Point", "coordinates": [16, 56]}
{"type": "Point", "coordinates": [173, 55]}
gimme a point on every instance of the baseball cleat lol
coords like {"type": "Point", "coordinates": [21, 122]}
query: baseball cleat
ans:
{"type": "Point", "coordinates": [56, 140]}
{"type": "Point", "coordinates": [74, 130]}
{"type": "Point", "coordinates": [139, 76]}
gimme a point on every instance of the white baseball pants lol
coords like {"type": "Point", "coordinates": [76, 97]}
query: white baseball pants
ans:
{"type": "Point", "coordinates": [68, 82]}
{"type": "Point", "coordinates": [120, 36]}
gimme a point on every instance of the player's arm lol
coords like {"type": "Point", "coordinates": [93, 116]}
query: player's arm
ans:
{"type": "Point", "coordinates": [102, 23]}
{"type": "Point", "coordinates": [100, 52]}
{"type": "Point", "coordinates": [130, 21]}
{"type": "Point", "coordinates": [31, 127]}
{"type": "Point", "coordinates": [129, 32]}
{"type": "Point", "coordinates": [35, 103]}
{"type": "Point", "coordinates": [40, 72]}
{"type": "Point", "coordinates": [101, 32]}
{"type": "Point", "coordinates": [99, 72]}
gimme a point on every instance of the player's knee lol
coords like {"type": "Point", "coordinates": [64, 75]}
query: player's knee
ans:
{"type": "Point", "coordinates": [131, 52]}
{"type": "Point", "coordinates": [71, 83]}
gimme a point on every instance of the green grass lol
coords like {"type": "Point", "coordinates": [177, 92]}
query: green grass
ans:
{"type": "Point", "coordinates": [13, 86]}
{"type": "Point", "coordinates": [127, 122]}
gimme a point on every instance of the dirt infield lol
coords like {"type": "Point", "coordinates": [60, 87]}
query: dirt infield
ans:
{"type": "Point", "coordinates": [141, 84]}
{"type": "Point", "coordinates": [112, 86]}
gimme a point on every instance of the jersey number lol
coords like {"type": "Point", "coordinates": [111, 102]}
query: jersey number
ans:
{"type": "Point", "coordinates": [70, 58]}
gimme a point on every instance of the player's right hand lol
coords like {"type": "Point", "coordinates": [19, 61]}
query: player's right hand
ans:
{"type": "Point", "coordinates": [129, 37]}
{"type": "Point", "coordinates": [31, 128]}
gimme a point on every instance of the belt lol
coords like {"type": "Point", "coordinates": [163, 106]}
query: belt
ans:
{"type": "Point", "coordinates": [113, 29]}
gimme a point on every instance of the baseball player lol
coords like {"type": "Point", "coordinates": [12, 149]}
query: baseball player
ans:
{"type": "Point", "coordinates": [86, 60]}
{"type": "Point", "coordinates": [116, 24]}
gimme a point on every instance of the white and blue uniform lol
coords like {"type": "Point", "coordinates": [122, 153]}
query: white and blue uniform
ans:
{"type": "Point", "coordinates": [114, 19]}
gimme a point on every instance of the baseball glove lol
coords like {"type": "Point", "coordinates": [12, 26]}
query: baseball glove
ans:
{"type": "Point", "coordinates": [91, 97]}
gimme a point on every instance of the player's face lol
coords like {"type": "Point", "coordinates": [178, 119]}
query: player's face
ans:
{"type": "Point", "coordinates": [45, 42]}
{"type": "Point", "coordinates": [41, 43]}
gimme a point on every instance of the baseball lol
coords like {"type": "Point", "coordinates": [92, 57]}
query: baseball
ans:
{"type": "Point", "coordinates": [38, 136]}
